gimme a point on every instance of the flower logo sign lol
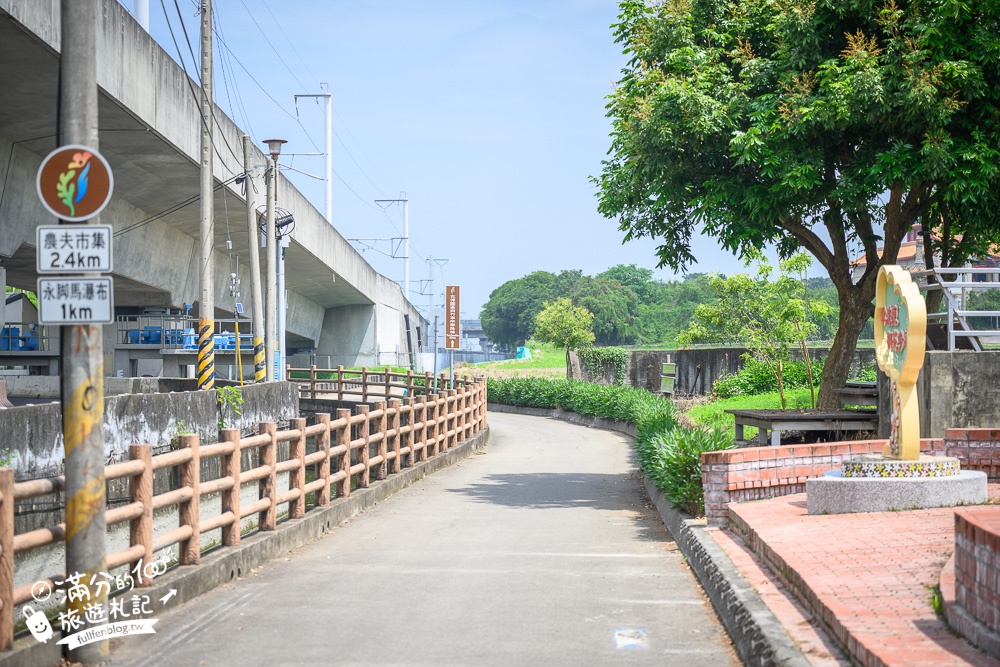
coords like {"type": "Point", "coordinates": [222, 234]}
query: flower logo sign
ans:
{"type": "Point", "coordinates": [900, 341]}
{"type": "Point", "coordinates": [74, 183]}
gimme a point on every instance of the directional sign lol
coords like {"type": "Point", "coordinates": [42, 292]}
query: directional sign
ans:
{"type": "Point", "coordinates": [74, 183]}
{"type": "Point", "coordinates": [452, 318]}
{"type": "Point", "coordinates": [74, 248]}
{"type": "Point", "coordinates": [75, 300]}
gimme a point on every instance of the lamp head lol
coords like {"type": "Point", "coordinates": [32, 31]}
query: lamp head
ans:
{"type": "Point", "coordinates": [274, 147]}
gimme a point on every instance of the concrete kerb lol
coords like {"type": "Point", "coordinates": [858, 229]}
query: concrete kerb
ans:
{"type": "Point", "coordinates": [223, 565]}
{"type": "Point", "coordinates": [759, 637]}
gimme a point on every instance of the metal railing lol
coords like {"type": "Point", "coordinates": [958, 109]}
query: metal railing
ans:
{"type": "Point", "coordinates": [954, 320]}
{"type": "Point", "coordinates": [178, 332]}
{"type": "Point", "coordinates": [24, 337]}
{"type": "Point", "coordinates": [349, 448]}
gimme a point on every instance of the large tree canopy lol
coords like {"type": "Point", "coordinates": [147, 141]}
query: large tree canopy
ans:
{"type": "Point", "coordinates": [508, 318]}
{"type": "Point", "coordinates": [831, 125]}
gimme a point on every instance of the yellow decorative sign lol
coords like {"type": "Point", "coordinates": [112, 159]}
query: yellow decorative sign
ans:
{"type": "Point", "coordinates": [900, 341]}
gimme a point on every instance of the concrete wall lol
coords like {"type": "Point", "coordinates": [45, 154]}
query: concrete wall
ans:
{"type": "Point", "coordinates": [349, 336]}
{"type": "Point", "coordinates": [34, 433]}
{"type": "Point", "coordinates": [956, 390]}
{"type": "Point", "coordinates": [697, 369]}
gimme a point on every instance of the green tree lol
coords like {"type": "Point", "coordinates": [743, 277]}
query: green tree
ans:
{"type": "Point", "coordinates": [767, 317]}
{"type": "Point", "coordinates": [565, 325]}
{"type": "Point", "coordinates": [509, 316]}
{"type": "Point", "coordinates": [828, 125]}
{"type": "Point", "coordinates": [639, 280]}
{"type": "Point", "coordinates": [615, 308]}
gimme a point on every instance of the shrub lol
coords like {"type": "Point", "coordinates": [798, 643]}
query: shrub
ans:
{"type": "Point", "coordinates": [756, 378]}
{"type": "Point", "coordinates": [672, 459]}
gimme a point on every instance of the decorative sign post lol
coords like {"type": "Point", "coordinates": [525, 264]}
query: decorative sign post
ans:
{"type": "Point", "coordinates": [452, 319]}
{"type": "Point", "coordinates": [900, 341]}
{"type": "Point", "coordinates": [74, 183]}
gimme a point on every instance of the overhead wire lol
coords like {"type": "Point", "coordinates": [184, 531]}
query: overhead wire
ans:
{"type": "Point", "coordinates": [173, 209]}
{"type": "Point", "coordinates": [187, 77]}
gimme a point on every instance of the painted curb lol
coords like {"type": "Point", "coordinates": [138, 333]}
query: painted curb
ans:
{"type": "Point", "coordinates": [759, 637]}
{"type": "Point", "coordinates": [222, 565]}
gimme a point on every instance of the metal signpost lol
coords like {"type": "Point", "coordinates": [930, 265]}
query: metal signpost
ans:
{"type": "Point", "coordinates": [452, 327]}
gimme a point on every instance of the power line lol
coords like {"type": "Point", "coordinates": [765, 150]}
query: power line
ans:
{"type": "Point", "coordinates": [266, 39]}
{"type": "Point", "coordinates": [173, 209]}
{"type": "Point", "coordinates": [187, 77]}
{"type": "Point", "coordinates": [290, 43]}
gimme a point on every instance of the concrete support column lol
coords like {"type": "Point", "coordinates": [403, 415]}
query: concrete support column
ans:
{"type": "Point", "coordinates": [3, 306]}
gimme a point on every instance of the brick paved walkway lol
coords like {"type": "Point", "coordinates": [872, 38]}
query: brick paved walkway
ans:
{"type": "Point", "coordinates": [867, 577]}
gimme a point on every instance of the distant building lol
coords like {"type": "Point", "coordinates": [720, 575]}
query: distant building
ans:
{"type": "Point", "coordinates": [911, 258]}
{"type": "Point", "coordinates": [474, 339]}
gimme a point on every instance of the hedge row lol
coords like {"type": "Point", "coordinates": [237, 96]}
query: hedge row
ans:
{"type": "Point", "coordinates": [668, 453]}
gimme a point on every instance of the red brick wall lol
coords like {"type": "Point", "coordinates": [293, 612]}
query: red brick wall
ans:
{"type": "Point", "coordinates": [977, 557]}
{"type": "Point", "coordinates": [754, 473]}
{"type": "Point", "coordinates": [975, 448]}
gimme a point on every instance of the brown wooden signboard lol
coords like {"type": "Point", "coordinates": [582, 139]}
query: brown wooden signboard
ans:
{"type": "Point", "coordinates": [452, 318]}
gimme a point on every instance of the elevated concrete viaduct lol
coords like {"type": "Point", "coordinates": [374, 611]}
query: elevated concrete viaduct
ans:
{"type": "Point", "coordinates": [338, 305]}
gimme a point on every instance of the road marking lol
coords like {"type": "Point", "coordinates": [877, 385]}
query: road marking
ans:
{"type": "Point", "coordinates": [631, 638]}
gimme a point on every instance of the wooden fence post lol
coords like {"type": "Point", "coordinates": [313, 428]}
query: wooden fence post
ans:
{"type": "Point", "coordinates": [323, 444]}
{"type": "Point", "coordinates": [381, 448]}
{"type": "Point", "coordinates": [411, 440]}
{"type": "Point", "coordinates": [340, 383]}
{"type": "Point", "coordinates": [312, 380]}
{"type": "Point", "coordinates": [190, 510]}
{"type": "Point", "coordinates": [344, 440]}
{"type": "Point", "coordinates": [365, 436]}
{"type": "Point", "coordinates": [422, 419]}
{"type": "Point", "coordinates": [428, 382]}
{"type": "Point", "coordinates": [448, 413]}
{"type": "Point", "coordinates": [297, 477]}
{"type": "Point", "coordinates": [409, 382]}
{"type": "Point", "coordinates": [364, 384]}
{"type": "Point", "coordinates": [140, 529]}
{"type": "Point", "coordinates": [462, 393]}
{"type": "Point", "coordinates": [395, 406]}
{"type": "Point", "coordinates": [268, 518]}
{"type": "Point", "coordinates": [388, 383]}
{"type": "Point", "coordinates": [432, 416]}
{"type": "Point", "coordinates": [6, 558]}
{"type": "Point", "coordinates": [231, 497]}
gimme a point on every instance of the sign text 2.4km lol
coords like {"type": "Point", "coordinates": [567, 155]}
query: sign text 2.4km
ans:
{"type": "Point", "coordinates": [74, 248]}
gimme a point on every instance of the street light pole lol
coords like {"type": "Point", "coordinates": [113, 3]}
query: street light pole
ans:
{"type": "Point", "coordinates": [257, 307]}
{"type": "Point", "coordinates": [82, 383]}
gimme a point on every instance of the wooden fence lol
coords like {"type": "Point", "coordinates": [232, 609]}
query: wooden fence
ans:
{"type": "Point", "coordinates": [362, 385]}
{"type": "Point", "coordinates": [351, 447]}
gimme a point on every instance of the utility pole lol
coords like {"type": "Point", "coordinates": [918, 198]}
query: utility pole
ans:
{"type": "Point", "coordinates": [406, 238]}
{"type": "Point", "coordinates": [257, 307]}
{"type": "Point", "coordinates": [329, 147]}
{"type": "Point", "coordinates": [141, 11]}
{"type": "Point", "coordinates": [82, 383]}
{"type": "Point", "coordinates": [206, 310]}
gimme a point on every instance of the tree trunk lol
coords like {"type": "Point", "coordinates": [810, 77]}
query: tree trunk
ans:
{"type": "Point", "coordinates": [854, 313]}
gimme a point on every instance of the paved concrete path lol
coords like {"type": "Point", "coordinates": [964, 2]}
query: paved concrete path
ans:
{"type": "Point", "coordinates": [540, 551]}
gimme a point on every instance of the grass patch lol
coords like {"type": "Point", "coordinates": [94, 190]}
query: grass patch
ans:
{"type": "Point", "coordinates": [712, 415]}
{"type": "Point", "coordinates": [546, 361]}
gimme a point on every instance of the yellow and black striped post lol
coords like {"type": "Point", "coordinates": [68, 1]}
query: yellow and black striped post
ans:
{"type": "Point", "coordinates": [206, 354]}
{"type": "Point", "coordinates": [259, 363]}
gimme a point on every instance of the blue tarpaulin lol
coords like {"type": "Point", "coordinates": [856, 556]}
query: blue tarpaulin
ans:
{"type": "Point", "coordinates": [524, 353]}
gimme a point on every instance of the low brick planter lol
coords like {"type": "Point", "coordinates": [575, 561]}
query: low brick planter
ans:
{"type": "Point", "coordinates": [972, 605]}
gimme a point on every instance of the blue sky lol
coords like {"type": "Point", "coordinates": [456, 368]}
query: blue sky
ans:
{"type": "Point", "coordinates": [488, 115]}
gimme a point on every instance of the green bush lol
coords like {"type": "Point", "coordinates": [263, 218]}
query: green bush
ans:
{"type": "Point", "coordinates": [672, 460]}
{"type": "Point", "coordinates": [668, 453]}
{"type": "Point", "coordinates": [756, 378]}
